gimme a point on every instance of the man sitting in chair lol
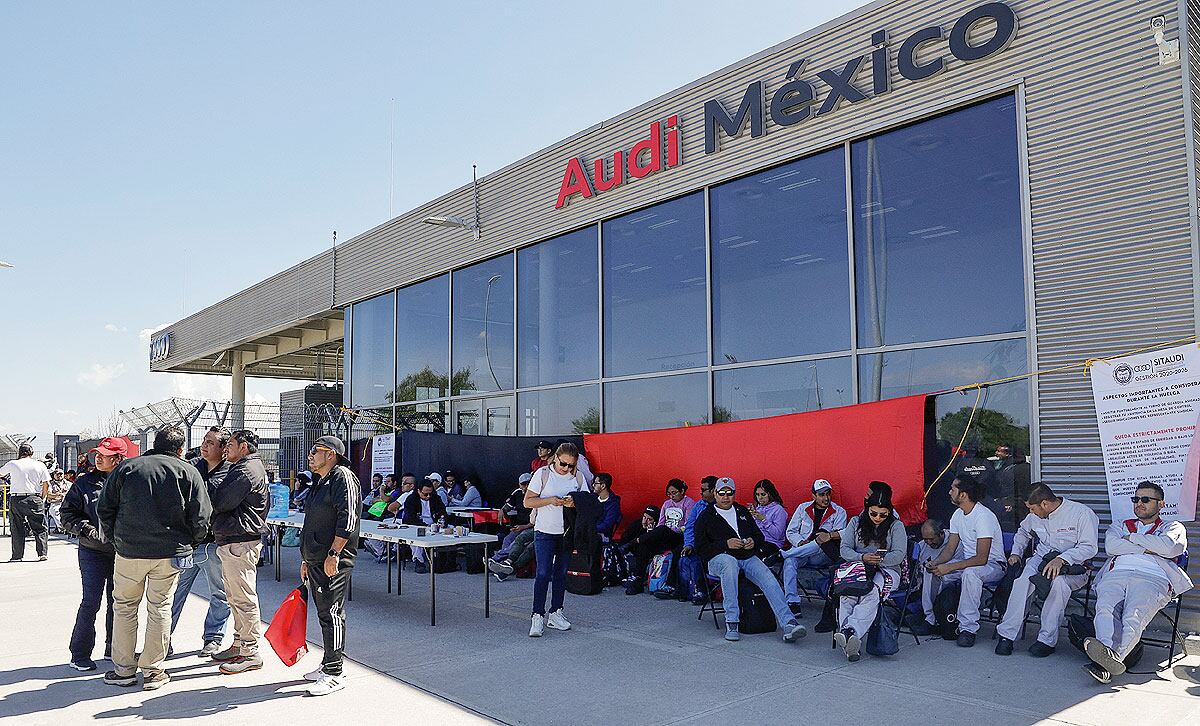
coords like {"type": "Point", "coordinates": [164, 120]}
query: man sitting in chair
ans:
{"type": "Point", "coordinates": [982, 555]}
{"type": "Point", "coordinates": [727, 539]}
{"type": "Point", "coordinates": [933, 541]}
{"type": "Point", "coordinates": [1067, 535]}
{"type": "Point", "coordinates": [813, 532]}
{"type": "Point", "coordinates": [1138, 580]}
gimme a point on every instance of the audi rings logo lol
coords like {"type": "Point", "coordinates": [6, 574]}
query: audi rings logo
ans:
{"type": "Point", "coordinates": [1123, 374]}
{"type": "Point", "coordinates": [160, 349]}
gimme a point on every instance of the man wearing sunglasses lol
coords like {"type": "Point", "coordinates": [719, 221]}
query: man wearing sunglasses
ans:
{"type": "Point", "coordinates": [726, 539]}
{"type": "Point", "coordinates": [328, 543]}
{"type": "Point", "coordinates": [1138, 580]}
{"type": "Point", "coordinates": [1067, 535]}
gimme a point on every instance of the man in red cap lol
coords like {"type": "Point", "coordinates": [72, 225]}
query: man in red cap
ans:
{"type": "Point", "coordinates": [95, 556]}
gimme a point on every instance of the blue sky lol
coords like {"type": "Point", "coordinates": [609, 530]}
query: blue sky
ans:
{"type": "Point", "coordinates": [160, 157]}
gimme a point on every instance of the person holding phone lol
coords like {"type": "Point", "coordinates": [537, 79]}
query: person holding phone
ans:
{"type": "Point", "coordinates": [549, 493]}
{"type": "Point", "coordinates": [877, 539]}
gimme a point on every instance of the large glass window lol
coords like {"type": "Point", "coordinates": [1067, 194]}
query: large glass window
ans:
{"type": "Point", "coordinates": [559, 411]}
{"type": "Point", "coordinates": [557, 336]}
{"type": "Point", "coordinates": [761, 391]}
{"type": "Point", "coordinates": [780, 262]}
{"type": "Point", "coordinates": [423, 340]}
{"type": "Point", "coordinates": [656, 403]}
{"type": "Point", "coordinates": [1003, 415]}
{"type": "Point", "coordinates": [937, 228]}
{"type": "Point", "coordinates": [654, 289]}
{"type": "Point", "coordinates": [483, 327]}
{"type": "Point", "coordinates": [374, 332]}
{"type": "Point", "coordinates": [423, 416]}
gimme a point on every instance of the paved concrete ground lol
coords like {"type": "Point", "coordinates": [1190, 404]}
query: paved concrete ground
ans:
{"type": "Point", "coordinates": [628, 660]}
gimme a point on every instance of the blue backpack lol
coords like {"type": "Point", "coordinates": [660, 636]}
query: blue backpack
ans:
{"type": "Point", "coordinates": [658, 575]}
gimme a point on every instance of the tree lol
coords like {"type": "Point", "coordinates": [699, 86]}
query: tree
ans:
{"type": "Point", "coordinates": [989, 429]}
{"type": "Point", "coordinates": [107, 424]}
{"type": "Point", "coordinates": [588, 423]}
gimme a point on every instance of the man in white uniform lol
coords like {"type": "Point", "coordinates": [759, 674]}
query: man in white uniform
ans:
{"type": "Point", "coordinates": [29, 486]}
{"type": "Point", "coordinates": [933, 541]}
{"type": "Point", "coordinates": [1138, 580]}
{"type": "Point", "coordinates": [1067, 535]}
{"type": "Point", "coordinates": [978, 531]}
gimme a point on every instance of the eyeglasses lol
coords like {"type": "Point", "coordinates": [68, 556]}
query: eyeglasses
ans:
{"type": "Point", "coordinates": [1144, 500]}
{"type": "Point", "coordinates": [725, 493]}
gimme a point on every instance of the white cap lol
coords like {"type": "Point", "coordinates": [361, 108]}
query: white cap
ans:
{"type": "Point", "coordinates": [821, 485]}
{"type": "Point", "coordinates": [525, 477]}
{"type": "Point", "coordinates": [435, 476]}
{"type": "Point", "coordinates": [724, 482]}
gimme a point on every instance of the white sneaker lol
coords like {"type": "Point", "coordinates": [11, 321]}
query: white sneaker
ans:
{"type": "Point", "coordinates": [314, 676]}
{"type": "Point", "coordinates": [326, 685]}
{"type": "Point", "coordinates": [558, 621]}
{"type": "Point", "coordinates": [535, 629]}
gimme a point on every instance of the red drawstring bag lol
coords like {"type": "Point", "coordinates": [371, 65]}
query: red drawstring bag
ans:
{"type": "Point", "coordinates": [288, 628]}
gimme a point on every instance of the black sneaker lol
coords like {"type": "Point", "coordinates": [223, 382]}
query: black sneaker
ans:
{"type": "Point", "coordinates": [501, 567]}
{"type": "Point", "coordinates": [1040, 649]}
{"type": "Point", "coordinates": [499, 577]}
{"type": "Point", "coordinates": [113, 679]}
{"type": "Point", "coordinates": [966, 640]}
{"type": "Point", "coordinates": [1004, 646]}
{"type": "Point", "coordinates": [634, 588]}
{"type": "Point", "coordinates": [83, 664]}
{"type": "Point", "coordinates": [1103, 656]}
{"type": "Point", "coordinates": [1096, 671]}
{"type": "Point", "coordinates": [665, 592]}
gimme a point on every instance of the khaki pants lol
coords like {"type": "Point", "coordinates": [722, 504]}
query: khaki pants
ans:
{"type": "Point", "coordinates": [133, 579]}
{"type": "Point", "coordinates": [239, 569]}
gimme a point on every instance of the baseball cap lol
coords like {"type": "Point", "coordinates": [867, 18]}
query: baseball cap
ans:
{"type": "Point", "coordinates": [821, 485]}
{"type": "Point", "coordinates": [652, 510]}
{"type": "Point", "coordinates": [525, 477]}
{"type": "Point", "coordinates": [724, 483]}
{"type": "Point", "coordinates": [435, 477]}
{"type": "Point", "coordinates": [111, 446]}
{"type": "Point", "coordinates": [335, 445]}
{"type": "Point", "coordinates": [545, 445]}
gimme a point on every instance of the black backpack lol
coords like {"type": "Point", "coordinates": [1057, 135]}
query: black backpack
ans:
{"type": "Point", "coordinates": [945, 610]}
{"type": "Point", "coordinates": [615, 563]}
{"type": "Point", "coordinates": [757, 615]}
{"type": "Point", "coordinates": [585, 572]}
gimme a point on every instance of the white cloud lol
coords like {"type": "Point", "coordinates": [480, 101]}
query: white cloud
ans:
{"type": "Point", "coordinates": [200, 387]}
{"type": "Point", "coordinates": [66, 412]}
{"type": "Point", "coordinates": [145, 333]}
{"type": "Point", "coordinates": [100, 375]}
{"type": "Point", "coordinates": [113, 328]}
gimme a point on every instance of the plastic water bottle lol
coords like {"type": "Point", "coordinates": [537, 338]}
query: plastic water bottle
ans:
{"type": "Point", "coordinates": [279, 500]}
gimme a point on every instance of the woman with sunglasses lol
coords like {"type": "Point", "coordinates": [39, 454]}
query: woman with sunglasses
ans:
{"type": "Point", "coordinates": [548, 494]}
{"type": "Point", "coordinates": [878, 540]}
{"type": "Point", "coordinates": [770, 515]}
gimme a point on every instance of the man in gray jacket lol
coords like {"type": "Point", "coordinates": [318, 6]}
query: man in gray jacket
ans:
{"type": "Point", "coordinates": [154, 509]}
{"type": "Point", "coordinates": [240, 503]}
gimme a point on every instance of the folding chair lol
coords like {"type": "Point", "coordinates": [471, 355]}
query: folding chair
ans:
{"type": "Point", "coordinates": [713, 597]}
{"type": "Point", "coordinates": [902, 597]}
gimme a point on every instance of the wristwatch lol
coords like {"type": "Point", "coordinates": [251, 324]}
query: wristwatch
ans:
{"type": "Point", "coordinates": [333, 552]}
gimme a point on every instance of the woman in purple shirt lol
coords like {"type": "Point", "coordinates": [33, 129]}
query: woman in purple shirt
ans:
{"type": "Point", "coordinates": [770, 515]}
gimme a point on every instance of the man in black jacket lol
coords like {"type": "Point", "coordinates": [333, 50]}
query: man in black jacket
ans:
{"type": "Point", "coordinates": [328, 542]}
{"type": "Point", "coordinates": [239, 520]}
{"type": "Point", "coordinates": [213, 468]}
{"type": "Point", "coordinates": [726, 539]}
{"type": "Point", "coordinates": [95, 555]}
{"type": "Point", "coordinates": [154, 509]}
{"type": "Point", "coordinates": [423, 508]}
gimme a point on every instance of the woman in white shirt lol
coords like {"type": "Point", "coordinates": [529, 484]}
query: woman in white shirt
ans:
{"type": "Point", "coordinates": [548, 493]}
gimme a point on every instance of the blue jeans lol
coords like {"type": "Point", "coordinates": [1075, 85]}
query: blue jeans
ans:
{"type": "Point", "coordinates": [806, 555]}
{"type": "Point", "coordinates": [551, 553]}
{"type": "Point", "coordinates": [727, 567]}
{"type": "Point", "coordinates": [96, 573]}
{"type": "Point", "coordinates": [205, 559]}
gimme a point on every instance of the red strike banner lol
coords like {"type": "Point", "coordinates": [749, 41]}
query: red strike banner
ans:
{"type": "Point", "coordinates": [850, 446]}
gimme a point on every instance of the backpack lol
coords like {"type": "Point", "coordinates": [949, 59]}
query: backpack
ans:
{"type": "Point", "coordinates": [290, 538]}
{"type": "Point", "coordinates": [659, 573]}
{"type": "Point", "coordinates": [614, 563]}
{"type": "Point", "coordinates": [585, 572]}
{"type": "Point", "coordinates": [473, 559]}
{"type": "Point", "coordinates": [945, 610]}
{"type": "Point", "coordinates": [444, 560]}
{"type": "Point", "coordinates": [757, 615]}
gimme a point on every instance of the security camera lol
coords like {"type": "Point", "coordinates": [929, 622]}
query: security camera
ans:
{"type": "Point", "coordinates": [1158, 22]}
